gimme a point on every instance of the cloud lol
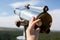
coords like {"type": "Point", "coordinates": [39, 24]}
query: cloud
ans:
{"type": "Point", "coordinates": [9, 21]}
{"type": "Point", "coordinates": [23, 3]}
{"type": "Point", "coordinates": [4, 14]}
{"type": "Point", "coordinates": [17, 4]}
{"type": "Point", "coordinates": [56, 19]}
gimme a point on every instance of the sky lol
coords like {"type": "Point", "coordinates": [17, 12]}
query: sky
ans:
{"type": "Point", "coordinates": [8, 18]}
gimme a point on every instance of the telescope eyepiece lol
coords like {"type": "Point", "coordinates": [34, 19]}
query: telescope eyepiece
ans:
{"type": "Point", "coordinates": [27, 6]}
{"type": "Point", "coordinates": [45, 9]}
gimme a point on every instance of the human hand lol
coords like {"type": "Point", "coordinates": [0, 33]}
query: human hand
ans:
{"type": "Point", "coordinates": [31, 33]}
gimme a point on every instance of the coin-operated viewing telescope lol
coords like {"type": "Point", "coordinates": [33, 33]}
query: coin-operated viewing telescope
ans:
{"type": "Point", "coordinates": [26, 14]}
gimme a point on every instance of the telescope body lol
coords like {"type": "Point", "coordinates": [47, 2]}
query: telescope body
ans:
{"type": "Point", "coordinates": [46, 19]}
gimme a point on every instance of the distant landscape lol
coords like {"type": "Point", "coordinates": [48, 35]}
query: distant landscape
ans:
{"type": "Point", "coordinates": [54, 35]}
{"type": "Point", "coordinates": [11, 34]}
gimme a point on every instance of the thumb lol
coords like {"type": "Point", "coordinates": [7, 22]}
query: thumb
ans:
{"type": "Point", "coordinates": [38, 30]}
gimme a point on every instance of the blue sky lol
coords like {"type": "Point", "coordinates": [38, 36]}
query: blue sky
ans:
{"type": "Point", "coordinates": [4, 5]}
{"type": "Point", "coordinates": [6, 11]}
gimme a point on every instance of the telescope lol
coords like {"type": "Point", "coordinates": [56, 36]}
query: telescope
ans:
{"type": "Point", "coordinates": [26, 14]}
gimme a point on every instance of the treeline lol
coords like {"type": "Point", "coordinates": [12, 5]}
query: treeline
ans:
{"type": "Point", "coordinates": [50, 36]}
{"type": "Point", "coordinates": [10, 35]}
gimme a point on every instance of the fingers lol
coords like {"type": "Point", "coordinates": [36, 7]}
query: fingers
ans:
{"type": "Point", "coordinates": [36, 21]}
{"type": "Point", "coordinates": [30, 23]}
{"type": "Point", "coordinates": [33, 19]}
{"type": "Point", "coordinates": [33, 23]}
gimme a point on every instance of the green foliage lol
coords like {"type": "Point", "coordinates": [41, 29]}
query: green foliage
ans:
{"type": "Point", "coordinates": [50, 36]}
{"type": "Point", "coordinates": [10, 35]}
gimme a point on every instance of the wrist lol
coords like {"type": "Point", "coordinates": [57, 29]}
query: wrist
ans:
{"type": "Point", "coordinates": [31, 39]}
